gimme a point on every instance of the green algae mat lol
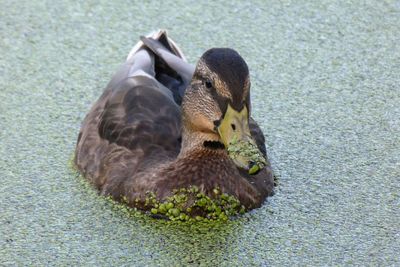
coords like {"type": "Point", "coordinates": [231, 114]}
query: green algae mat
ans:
{"type": "Point", "coordinates": [325, 89]}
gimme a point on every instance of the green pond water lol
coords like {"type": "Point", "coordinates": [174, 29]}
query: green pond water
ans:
{"type": "Point", "coordinates": [325, 90]}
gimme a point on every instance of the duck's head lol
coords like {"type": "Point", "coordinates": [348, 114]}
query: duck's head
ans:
{"type": "Point", "coordinates": [216, 108]}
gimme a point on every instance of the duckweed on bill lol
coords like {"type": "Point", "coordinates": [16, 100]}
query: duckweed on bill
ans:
{"type": "Point", "coordinates": [246, 149]}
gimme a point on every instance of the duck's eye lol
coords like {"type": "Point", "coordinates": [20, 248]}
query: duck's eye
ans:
{"type": "Point", "coordinates": [208, 84]}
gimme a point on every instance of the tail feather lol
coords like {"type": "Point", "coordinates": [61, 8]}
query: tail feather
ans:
{"type": "Point", "coordinates": [159, 57]}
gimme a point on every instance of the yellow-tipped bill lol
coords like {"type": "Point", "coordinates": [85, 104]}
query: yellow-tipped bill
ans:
{"type": "Point", "coordinates": [235, 134]}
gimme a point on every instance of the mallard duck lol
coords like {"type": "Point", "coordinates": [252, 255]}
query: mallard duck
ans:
{"type": "Point", "coordinates": [163, 126]}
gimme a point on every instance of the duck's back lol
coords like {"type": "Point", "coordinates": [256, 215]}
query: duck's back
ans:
{"type": "Point", "coordinates": [136, 122]}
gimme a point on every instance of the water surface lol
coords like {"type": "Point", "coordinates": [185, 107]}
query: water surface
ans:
{"type": "Point", "coordinates": [325, 89]}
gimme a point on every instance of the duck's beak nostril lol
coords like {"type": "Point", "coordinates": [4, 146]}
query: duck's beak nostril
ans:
{"type": "Point", "coordinates": [251, 164]}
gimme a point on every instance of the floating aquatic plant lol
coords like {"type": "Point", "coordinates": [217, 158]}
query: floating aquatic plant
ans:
{"type": "Point", "coordinates": [247, 150]}
{"type": "Point", "coordinates": [190, 204]}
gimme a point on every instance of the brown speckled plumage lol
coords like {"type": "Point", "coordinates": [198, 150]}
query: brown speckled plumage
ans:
{"type": "Point", "coordinates": [134, 139]}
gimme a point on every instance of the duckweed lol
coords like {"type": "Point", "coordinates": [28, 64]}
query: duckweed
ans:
{"type": "Point", "coordinates": [247, 150]}
{"type": "Point", "coordinates": [154, 210]}
{"type": "Point", "coordinates": [188, 204]}
{"type": "Point", "coordinates": [169, 205]}
{"type": "Point", "coordinates": [174, 212]}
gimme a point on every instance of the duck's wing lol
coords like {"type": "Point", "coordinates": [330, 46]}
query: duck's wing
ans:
{"type": "Point", "coordinates": [171, 67]}
{"type": "Point", "coordinates": [164, 52]}
{"type": "Point", "coordinates": [136, 121]}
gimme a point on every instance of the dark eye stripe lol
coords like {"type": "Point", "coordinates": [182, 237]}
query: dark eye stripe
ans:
{"type": "Point", "coordinates": [221, 100]}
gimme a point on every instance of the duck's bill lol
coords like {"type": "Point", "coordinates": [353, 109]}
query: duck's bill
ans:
{"type": "Point", "coordinates": [235, 134]}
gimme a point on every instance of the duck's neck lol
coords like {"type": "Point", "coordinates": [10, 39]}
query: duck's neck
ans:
{"type": "Point", "coordinates": [200, 142]}
{"type": "Point", "coordinates": [206, 166]}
